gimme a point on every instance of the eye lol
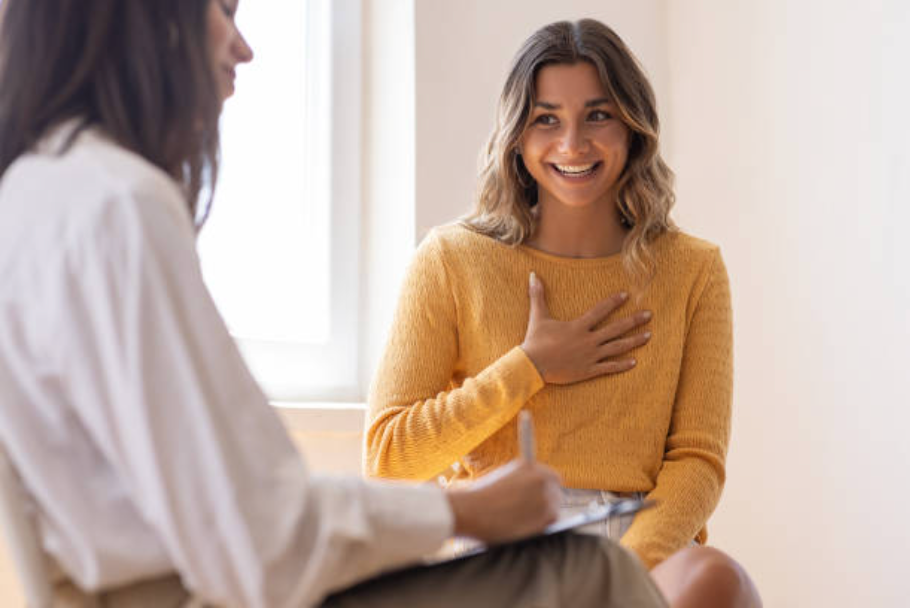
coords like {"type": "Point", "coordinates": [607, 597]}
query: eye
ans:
{"type": "Point", "coordinates": [599, 116]}
{"type": "Point", "coordinates": [546, 120]}
{"type": "Point", "coordinates": [227, 9]}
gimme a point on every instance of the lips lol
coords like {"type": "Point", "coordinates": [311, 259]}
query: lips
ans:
{"type": "Point", "coordinates": [576, 171]}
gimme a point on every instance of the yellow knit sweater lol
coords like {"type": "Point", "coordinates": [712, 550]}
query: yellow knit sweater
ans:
{"type": "Point", "coordinates": [453, 379]}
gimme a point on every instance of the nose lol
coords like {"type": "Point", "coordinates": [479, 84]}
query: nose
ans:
{"type": "Point", "coordinates": [574, 140]}
{"type": "Point", "coordinates": [242, 51]}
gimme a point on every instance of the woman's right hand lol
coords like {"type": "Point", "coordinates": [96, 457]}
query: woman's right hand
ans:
{"type": "Point", "coordinates": [570, 351]}
{"type": "Point", "coordinates": [516, 500]}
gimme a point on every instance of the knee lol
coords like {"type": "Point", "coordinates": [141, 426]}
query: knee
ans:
{"type": "Point", "coordinates": [729, 584]}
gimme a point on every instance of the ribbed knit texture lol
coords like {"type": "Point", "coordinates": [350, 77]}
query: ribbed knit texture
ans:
{"type": "Point", "coordinates": [453, 378]}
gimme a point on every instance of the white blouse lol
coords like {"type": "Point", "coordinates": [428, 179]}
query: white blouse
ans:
{"type": "Point", "coordinates": [143, 440]}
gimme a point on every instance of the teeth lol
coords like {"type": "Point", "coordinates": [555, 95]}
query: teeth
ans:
{"type": "Point", "coordinates": [575, 169]}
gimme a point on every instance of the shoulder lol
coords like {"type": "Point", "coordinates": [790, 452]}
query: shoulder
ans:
{"type": "Point", "coordinates": [90, 205]}
{"type": "Point", "coordinates": [457, 257]}
{"type": "Point", "coordinates": [457, 242]}
{"type": "Point", "coordinates": [679, 249]}
{"type": "Point", "coordinates": [682, 243]}
{"type": "Point", "coordinates": [84, 180]}
{"type": "Point", "coordinates": [688, 264]}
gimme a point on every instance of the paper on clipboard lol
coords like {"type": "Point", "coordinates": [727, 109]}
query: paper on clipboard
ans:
{"type": "Point", "coordinates": [625, 506]}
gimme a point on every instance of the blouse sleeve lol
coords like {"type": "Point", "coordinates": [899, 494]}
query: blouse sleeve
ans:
{"type": "Point", "coordinates": [692, 476]}
{"type": "Point", "coordinates": [158, 383]}
{"type": "Point", "coordinates": [419, 424]}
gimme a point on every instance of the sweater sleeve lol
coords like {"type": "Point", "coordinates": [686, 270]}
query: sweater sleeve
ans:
{"type": "Point", "coordinates": [691, 478]}
{"type": "Point", "coordinates": [418, 423]}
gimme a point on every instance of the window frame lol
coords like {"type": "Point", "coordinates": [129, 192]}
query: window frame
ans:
{"type": "Point", "coordinates": [297, 372]}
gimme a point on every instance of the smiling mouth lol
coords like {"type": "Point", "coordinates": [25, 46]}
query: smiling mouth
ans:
{"type": "Point", "coordinates": [576, 171]}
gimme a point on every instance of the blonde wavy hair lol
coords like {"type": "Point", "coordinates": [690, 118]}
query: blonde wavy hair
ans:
{"type": "Point", "coordinates": [507, 192]}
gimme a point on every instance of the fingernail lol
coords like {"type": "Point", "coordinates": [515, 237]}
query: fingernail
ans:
{"type": "Point", "coordinates": [623, 295]}
{"type": "Point", "coordinates": [646, 314]}
{"type": "Point", "coordinates": [647, 334]}
{"type": "Point", "coordinates": [632, 362]}
{"type": "Point", "coordinates": [532, 279]}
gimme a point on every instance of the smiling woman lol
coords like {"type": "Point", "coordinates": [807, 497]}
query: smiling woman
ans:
{"type": "Point", "coordinates": [611, 86]}
{"type": "Point", "coordinates": [575, 148]}
{"type": "Point", "coordinates": [574, 131]}
{"type": "Point", "coordinates": [574, 196]}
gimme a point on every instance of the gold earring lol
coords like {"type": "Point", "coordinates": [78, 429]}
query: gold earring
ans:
{"type": "Point", "coordinates": [624, 219]}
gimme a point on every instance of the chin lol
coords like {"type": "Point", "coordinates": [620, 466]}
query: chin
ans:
{"type": "Point", "coordinates": [577, 200]}
{"type": "Point", "coordinates": [574, 203]}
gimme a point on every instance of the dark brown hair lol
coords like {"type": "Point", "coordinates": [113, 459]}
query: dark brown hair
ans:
{"type": "Point", "coordinates": [137, 69]}
{"type": "Point", "coordinates": [507, 191]}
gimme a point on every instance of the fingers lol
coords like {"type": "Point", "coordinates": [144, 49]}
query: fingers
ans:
{"type": "Point", "coordinates": [570, 351]}
{"type": "Point", "coordinates": [621, 346]}
{"type": "Point", "coordinates": [553, 501]}
{"type": "Point", "coordinates": [549, 493]}
{"type": "Point", "coordinates": [622, 326]}
{"type": "Point", "coordinates": [610, 367]}
{"type": "Point", "coordinates": [599, 311]}
{"type": "Point", "coordinates": [516, 500]}
{"type": "Point", "coordinates": [549, 474]}
{"type": "Point", "coordinates": [539, 308]}
{"type": "Point", "coordinates": [546, 480]}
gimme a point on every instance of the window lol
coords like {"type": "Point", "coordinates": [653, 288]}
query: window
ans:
{"type": "Point", "coordinates": [280, 251]}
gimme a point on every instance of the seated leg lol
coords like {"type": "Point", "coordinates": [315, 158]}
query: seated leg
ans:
{"type": "Point", "coordinates": [704, 577]}
{"type": "Point", "coordinates": [563, 570]}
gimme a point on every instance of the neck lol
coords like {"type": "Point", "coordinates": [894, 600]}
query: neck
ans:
{"type": "Point", "coordinates": [592, 231]}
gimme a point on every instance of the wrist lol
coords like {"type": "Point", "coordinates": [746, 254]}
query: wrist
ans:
{"type": "Point", "coordinates": [534, 358]}
{"type": "Point", "coordinates": [460, 504]}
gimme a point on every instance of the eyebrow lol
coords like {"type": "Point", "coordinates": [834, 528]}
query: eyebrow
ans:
{"type": "Point", "coordinates": [588, 104]}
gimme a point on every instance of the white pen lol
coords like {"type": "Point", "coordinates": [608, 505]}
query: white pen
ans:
{"type": "Point", "coordinates": [526, 436]}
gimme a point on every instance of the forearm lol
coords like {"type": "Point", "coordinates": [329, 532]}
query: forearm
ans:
{"type": "Point", "coordinates": [368, 527]}
{"type": "Point", "coordinates": [416, 440]}
{"type": "Point", "coordinates": [686, 493]}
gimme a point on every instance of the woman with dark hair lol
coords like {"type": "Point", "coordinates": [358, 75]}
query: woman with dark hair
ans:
{"type": "Point", "coordinates": [574, 195]}
{"type": "Point", "coordinates": [154, 465]}
{"type": "Point", "coordinates": [141, 71]}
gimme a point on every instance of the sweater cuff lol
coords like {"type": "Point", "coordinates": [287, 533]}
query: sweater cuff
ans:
{"type": "Point", "coordinates": [519, 365]}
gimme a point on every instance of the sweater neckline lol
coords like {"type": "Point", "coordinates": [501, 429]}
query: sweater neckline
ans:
{"type": "Point", "coordinates": [609, 260]}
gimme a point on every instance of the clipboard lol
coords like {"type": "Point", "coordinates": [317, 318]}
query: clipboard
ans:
{"type": "Point", "coordinates": [619, 508]}
{"type": "Point", "coordinates": [594, 514]}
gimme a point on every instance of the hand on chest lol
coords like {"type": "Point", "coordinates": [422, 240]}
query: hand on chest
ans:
{"type": "Point", "coordinates": [494, 312]}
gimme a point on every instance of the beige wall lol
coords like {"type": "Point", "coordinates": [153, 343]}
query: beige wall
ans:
{"type": "Point", "coordinates": [790, 139]}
